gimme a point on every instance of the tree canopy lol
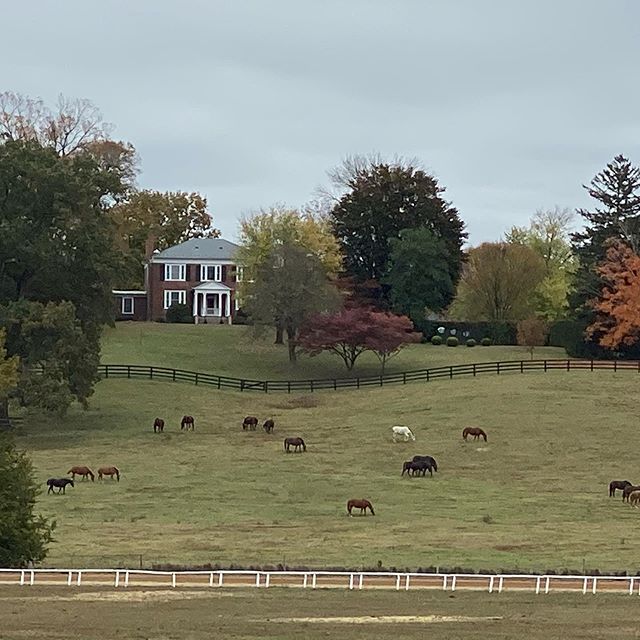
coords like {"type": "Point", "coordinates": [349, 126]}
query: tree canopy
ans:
{"type": "Point", "coordinates": [383, 199]}
{"type": "Point", "coordinates": [498, 282]}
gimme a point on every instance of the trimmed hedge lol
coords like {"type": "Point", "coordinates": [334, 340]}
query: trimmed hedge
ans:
{"type": "Point", "coordinates": [471, 342]}
{"type": "Point", "coordinates": [436, 340]}
{"type": "Point", "coordinates": [452, 341]}
{"type": "Point", "coordinates": [179, 313]}
{"type": "Point", "coordinates": [504, 333]}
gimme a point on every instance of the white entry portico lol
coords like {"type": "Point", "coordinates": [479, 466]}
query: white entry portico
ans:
{"type": "Point", "coordinates": [211, 299]}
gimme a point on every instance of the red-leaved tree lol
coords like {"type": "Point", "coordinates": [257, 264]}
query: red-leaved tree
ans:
{"type": "Point", "coordinates": [355, 330]}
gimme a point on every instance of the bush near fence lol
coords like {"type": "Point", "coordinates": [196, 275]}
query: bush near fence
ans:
{"type": "Point", "coordinates": [502, 333]}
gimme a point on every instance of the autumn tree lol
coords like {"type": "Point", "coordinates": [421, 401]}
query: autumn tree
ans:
{"type": "Point", "coordinates": [419, 276]}
{"type": "Point", "coordinates": [163, 219]}
{"type": "Point", "coordinates": [264, 232]}
{"type": "Point", "coordinates": [24, 535]}
{"type": "Point", "coordinates": [532, 332]}
{"type": "Point", "coordinates": [548, 234]}
{"type": "Point", "coordinates": [352, 331]}
{"type": "Point", "coordinates": [382, 199]}
{"type": "Point", "coordinates": [617, 308]}
{"type": "Point", "coordinates": [615, 216]}
{"type": "Point", "coordinates": [288, 287]}
{"type": "Point", "coordinates": [498, 283]}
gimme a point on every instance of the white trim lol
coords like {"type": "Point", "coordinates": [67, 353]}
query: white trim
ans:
{"type": "Point", "coordinates": [192, 261]}
{"type": "Point", "coordinates": [239, 273]}
{"type": "Point", "coordinates": [217, 273]}
{"type": "Point", "coordinates": [236, 303]}
{"type": "Point", "coordinates": [212, 287]}
{"type": "Point", "coordinates": [122, 309]}
{"type": "Point", "coordinates": [182, 271]}
{"type": "Point", "coordinates": [122, 292]}
{"type": "Point", "coordinates": [182, 297]}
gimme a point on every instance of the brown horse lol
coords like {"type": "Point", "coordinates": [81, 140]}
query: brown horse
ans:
{"type": "Point", "coordinates": [362, 505]}
{"type": "Point", "coordinates": [250, 422]}
{"type": "Point", "coordinates": [109, 471]}
{"type": "Point", "coordinates": [297, 444]}
{"type": "Point", "coordinates": [81, 471]}
{"type": "Point", "coordinates": [187, 423]}
{"type": "Point", "coordinates": [634, 499]}
{"type": "Point", "coordinates": [476, 432]}
{"type": "Point", "coordinates": [627, 491]}
{"type": "Point", "coordinates": [268, 425]}
{"type": "Point", "coordinates": [617, 484]}
{"type": "Point", "coordinates": [158, 425]}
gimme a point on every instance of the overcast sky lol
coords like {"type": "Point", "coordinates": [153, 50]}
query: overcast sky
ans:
{"type": "Point", "coordinates": [513, 105]}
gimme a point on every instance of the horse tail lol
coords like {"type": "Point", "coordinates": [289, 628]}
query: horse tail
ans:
{"type": "Point", "coordinates": [304, 446]}
{"type": "Point", "coordinates": [117, 473]}
{"type": "Point", "coordinates": [285, 444]}
{"type": "Point", "coordinates": [373, 513]}
{"type": "Point", "coordinates": [465, 432]}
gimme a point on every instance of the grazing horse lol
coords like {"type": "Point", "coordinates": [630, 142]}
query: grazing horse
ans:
{"type": "Point", "coordinates": [362, 505]}
{"type": "Point", "coordinates": [428, 459]}
{"type": "Point", "coordinates": [617, 484]}
{"type": "Point", "coordinates": [81, 471]}
{"type": "Point", "coordinates": [417, 467]}
{"type": "Point", "coordinates": [250, 422]}
{"type": "Point", "coordinates": [61, 483]}
{"type": "Point", "coordinates": [268, 425]}
{"type": "Point", "coordinates": [297, 444]}
{"type": "Point", "coordinates": [158, 425]}
{"type": "Point", "coordinates": [109, 471]}
{"type": "Point", "coordinates": [634, 499]}
{"type": "Point", "coordinates": [476, 432]}
{"type": "Point", "coordinates": [627, 491]}
{"type": "Point", "coordinates": [187, 423]}
{"type": "Point", "coordinates": [405, 432]}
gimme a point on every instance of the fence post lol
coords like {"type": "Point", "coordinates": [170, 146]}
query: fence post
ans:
{"type": "Point", "coordinates": [33, 577]}
{"type": "Point", "coordinates": [128, 371]}
{"type": "Point", "coordinates": [311, 385]}
{"type": "Point", "coordinates": [450, 373]}
{"type": "Point", "coordinates": [288, 386]}
{"type": "Point", "coordinates": [537, 585]}
{"type": "Point", "coordinates": [351, 581]}
{"type": "Point", "coordinates": [314, 577]}
{"type": "Point", "coordinates": [615, 366]}
{"type": "Point", "coordinates": [357, 383]}
{"type": "Point", "coordinates": [117, 582]}
{"type": "Point", "coordinates": [474, 370]}
{"type": "Point", "coordinates": [592, 365]}
{"type": "Point", "coordinates": [211, 579]}
{"type": "Point", "coordinates": [150, 373]}
{"type": "Point", "coordinates": [267, 580]}
{"type": "Point", "coordinates": [220, 579]}
{"type": "Point", "coordinates": [568, 365]}
{"type": "Point", "coordinates": [266, 386]}
{"type": "Point", "coordinates": [546, 586]}
{"type": "Point", "coordinates": [219, 382]}
{"type": "Point", "coordinates": [453, 583]}
{"type": "Point", "coordinates": [257, 578]}
{"type": "Point", "coordinates": [545, 366]}
{"type": "Point", "coordinates": [444, 582]}
{"type": "Point", "coordinates": [173, 579]}
{"type": "Point", "coordinates": [595, 582]}
{"type": "Point", "coordinates": [69, 577]}
{"type": "Point", "coordinates": [500, 583]}
{"type": "Point", "coordinates": [106, 370]}
{"type": "Point", "coordinates": [79, 581]}
{"type": "Point", "coordinates": [491, 584]}
{"type": "Point", "coordinates": [305, 580]}
{"type": "Point", "coordinates": [173, 375]}
{"type": "Point", "coordinates": [381, 382]}
{"type": "Point", "coordinates": [196, 378]}
{"type": "Point", "coordinates": [521, 366]}
{"type": "Point", "coordinates": [631, 586]}
{"type": "Point", "coordinates": [584, 585]}
{"type": "Point", "coordinates": [22, 577]}
{"type": "Point", "coordinates": [406, 586]}
{"type": "Point", "coordinates": [335, 384]}
{"type": "Point", "coordinates": [398, 582]}
{"type": "Point", "coordinates": [360, 581]}
{"type": "Point", "coordinates": [498, 368]}
{"type": "Point", "coordinates": [126, 578]}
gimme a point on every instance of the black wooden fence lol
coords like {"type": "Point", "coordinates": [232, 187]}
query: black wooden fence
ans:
{"type": "Point", "coordinates": [266, 386]}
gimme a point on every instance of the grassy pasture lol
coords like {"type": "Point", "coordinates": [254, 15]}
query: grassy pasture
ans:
{"type": "Point", "coordinates": [85, 614]}
{"type": "Point", "coordinates": [235, 352]}
{"type": "Point", "coordinates": [534, 497]}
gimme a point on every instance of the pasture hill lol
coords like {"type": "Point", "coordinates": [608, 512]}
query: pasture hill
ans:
{"type": "Point", "coordinates": [533, 497]}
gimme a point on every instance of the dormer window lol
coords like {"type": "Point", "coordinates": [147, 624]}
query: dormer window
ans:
{"type": "Point", "coordinates": [175, 272]}
{"type": "Point", "coordinates": [211, 273]}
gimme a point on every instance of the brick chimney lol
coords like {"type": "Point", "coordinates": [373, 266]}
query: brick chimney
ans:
{"type": "Point", "coordinates": [150, 246]}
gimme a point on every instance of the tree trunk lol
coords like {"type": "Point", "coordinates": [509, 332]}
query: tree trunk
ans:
{"type": "Point", "coordinates": [291, 344]}
{"type": "Point", "coordinates": [4, 407]}
{"type": "Point", "coordinates": [279, 335]}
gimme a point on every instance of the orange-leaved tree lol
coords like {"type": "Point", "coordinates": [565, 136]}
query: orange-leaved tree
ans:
{"type": "Point", "coordinates": [618, 306]}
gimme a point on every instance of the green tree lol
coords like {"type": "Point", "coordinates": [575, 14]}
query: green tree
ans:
{"type": "Point", "coordinates": [288, 287]}
{"type": "Point", "coordinates": [24, 535]}
{"type": "Point", "coordinates": [498, 283]}
{"type": "Point", "coordinates": [162, 219]}
{"type": "Point", "coordinates": [381, 200]}
{"type": "Point", "coordinates": [616, 216]}
{"type": "Point", "coordinates": [419, 276]}
{"type": "Point", "coordinates": [8, 375]}
{"type": "Point", "coordinates": [262, 233]}
{"type": "Point", "coordinates": [549, 236]}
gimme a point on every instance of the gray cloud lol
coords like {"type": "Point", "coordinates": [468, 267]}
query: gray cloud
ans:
{"type": "Point", "coordinates": [513, 105]}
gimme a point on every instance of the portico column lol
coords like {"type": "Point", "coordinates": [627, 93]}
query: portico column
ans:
{"type": "Point", "coordinates": [195, 306]}
{"type": "Point", "coordinates": [204, 304]}
{"type": "Point", "coordinates": [228, 305]}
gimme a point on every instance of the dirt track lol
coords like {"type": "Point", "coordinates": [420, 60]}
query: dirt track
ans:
{"type": "Point", "coordinates": [123, 579]}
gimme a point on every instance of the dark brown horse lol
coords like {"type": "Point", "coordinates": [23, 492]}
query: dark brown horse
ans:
{"type": "Point", "coordinates": [109, 471]}
{"type": "Point", "coordinates": [85, 472]}
{"type": "Point", "coordinates": [268, 425]}
{"type": "Point", "coordinates": [250, 422]}
{"type": "Point", "coordinates": [617, 484]}
{"type": "Point", "coordinates": [61, 483]}
{"type": "Point", "coordinates": [628, 490]}
{"type": "Point", "coordinates": [297, 444]}
{"type": "Point", "coordinates": [158, 425]}
{"type": "Point", "coordinates": [187, 423]}
{"type": "Point", "coordinates": [476, 432]}
{"type": "Point", "coordinates": [363, 505]}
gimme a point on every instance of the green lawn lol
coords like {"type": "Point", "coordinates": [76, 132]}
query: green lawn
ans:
{"type": "Point", "coordinates": [86, 614]}
{"type": "Point", "coordinates": [534, 497]}
{"type": "Point", "coordinates": [234, 351]}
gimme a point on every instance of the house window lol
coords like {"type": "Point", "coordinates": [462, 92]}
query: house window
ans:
{"type": "Point", "coordinates": [211, 273]}
{"type": "Point", "coordinates": [175, 272]}
{"type": "Point", "coordinates": [239, 274]}
{"type": "Point", "coordinates": [127, 306]}
{"type": "Point", "coordinates": [174, 297]}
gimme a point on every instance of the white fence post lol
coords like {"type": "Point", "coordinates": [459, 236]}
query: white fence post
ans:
{"type": "Point", "coordinates": [79, 580]}
{"type": "Point", "coordinates": [220, 579]}
{"type": "Point", "coordinates": [500, 583]}
{"type": "Point", "coordinates": [453, 583]}
{"type": "Point", "coordinates": [584, 585]}
{"type": "Point", "coordinates": [305, 580]}
{"type": "Point", "coordinates": [546, 586]}
{"type": "Point", "coordinates": [126, 578]}
{"type": "Point", "coordinates": [444, 582]}
{"type": "Point", "coordinates": [360, 579]}
{"type": "Point", "coordinates": [69, 578]}
{"type": "Point", "coordinates": [595, 582]}
{"type": "Point", "coordinates": [257, 578]}
{"type": "Point", "coordinates": [117, 583]}
{"type": "Point", "coordinates": [630, 586]}
{"type": "Point", "coordinates": [267, 580]}
{"type": "Point", "coordinates": [397, 582]}
{"type": "Point", "coordinates": [173, 579]}
{"type": "Point", "coordinates": [211, 579]}
{"type": "Point", "coordinates": [314, 577]}
{"type": "Point", "coordinates": [351, 581]}
{"type": "Point", "coordinates": [406, 586]}
{"type": "Point", "coordinates": [33, 577]}
{"type": "Point", "coordinates": [22, 578]}
{"type": "Point", "coordinates": [538, 585]}
{"type": "Point", "coordinates": [491, 584]}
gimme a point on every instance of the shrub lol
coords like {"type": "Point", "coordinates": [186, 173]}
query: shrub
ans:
{"type": "Point", "coordinates": [240, 317]}
{"type": "Point", "coordinates": [436, 340]}
{"type": "Point", "coordinates": [179, 313]}
{"type": "Point", "coordinates": [486, 342]}
{"type": "Point", "coordinates": [471, 342]}
{"type": "Point", "coordinates": [452, 341]}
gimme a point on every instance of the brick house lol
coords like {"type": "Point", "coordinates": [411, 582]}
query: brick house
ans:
{"type": "Point", "coordinates": [200, 273]}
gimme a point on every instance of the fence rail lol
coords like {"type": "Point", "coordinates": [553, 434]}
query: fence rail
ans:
{"type": "Point", "coordinates": [147, 372]}
{"type": "Point", "coordinates": [498, 583]}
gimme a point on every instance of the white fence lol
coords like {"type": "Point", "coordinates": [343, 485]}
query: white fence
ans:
{"type": "Point", "coordinates": [319, 580]}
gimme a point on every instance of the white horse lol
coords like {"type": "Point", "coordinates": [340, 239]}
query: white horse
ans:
{"type": "Point", "coordinates": [405, 432]}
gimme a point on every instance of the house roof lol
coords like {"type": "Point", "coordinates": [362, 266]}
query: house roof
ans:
{"type": "Point", "coordinates": [200, 249]}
